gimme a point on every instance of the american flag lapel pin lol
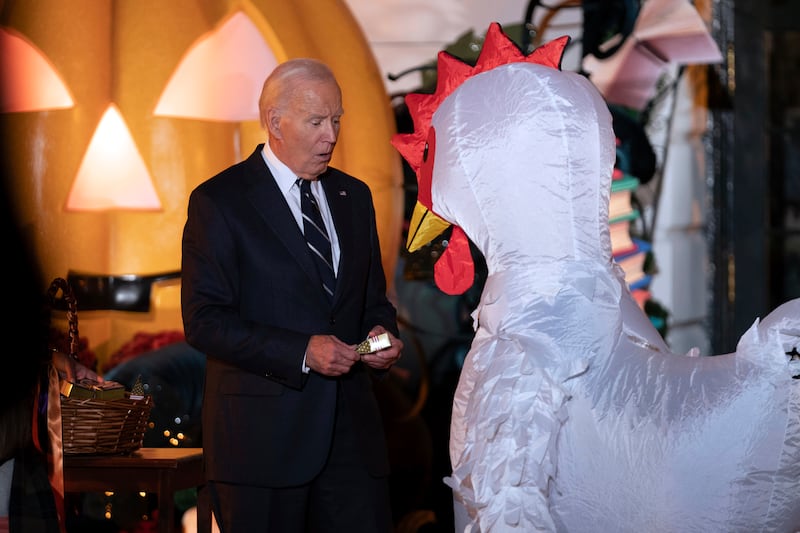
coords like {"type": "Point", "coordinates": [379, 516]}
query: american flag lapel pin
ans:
{"type": "Point", "coordinates": [342, 193]}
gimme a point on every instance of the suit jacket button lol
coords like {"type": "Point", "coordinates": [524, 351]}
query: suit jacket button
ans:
{"type": "Point", "coordinates": [332, 321]}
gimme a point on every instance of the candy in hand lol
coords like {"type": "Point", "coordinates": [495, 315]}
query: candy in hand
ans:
{"type": "Point", "coordinates": [374, 343]}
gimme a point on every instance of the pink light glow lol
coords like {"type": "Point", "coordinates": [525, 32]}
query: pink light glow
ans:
{"type": "Point", "coordinates": [28, 82]}
{"type": "Point", "coordinates": [220, 77]}
{"type": "Point", "coordinates": [113, 174]}
{"type": "Point", "coordinates": [666, 32]}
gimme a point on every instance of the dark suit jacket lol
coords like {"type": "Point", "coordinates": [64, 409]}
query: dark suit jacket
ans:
{"type": "Point", "coordinates": [251, 297]}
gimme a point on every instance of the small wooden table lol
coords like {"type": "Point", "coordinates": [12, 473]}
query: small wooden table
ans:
{"type": "Point", "coordinates": [158, 470]}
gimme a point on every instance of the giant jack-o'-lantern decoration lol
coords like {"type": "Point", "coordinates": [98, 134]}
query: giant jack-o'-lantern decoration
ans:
{"type": "Point", "coordinates": [176, 81]}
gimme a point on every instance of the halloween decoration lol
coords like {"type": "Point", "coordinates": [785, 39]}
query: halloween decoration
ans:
{"type": "Point", "coordinates": [666, 32]}
{"type": "Point", "coordinates": [571, 412]}
{"type": "Point", "coordinates": [120, 59]}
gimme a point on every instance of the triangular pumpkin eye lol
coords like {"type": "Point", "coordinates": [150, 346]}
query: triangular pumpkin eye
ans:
{"type": "Point", "coordinates": [29, 80]}
{"type": "Point", "coordinates": [221, 75]}
{"type": "Point", "coordinates": [214, 81]}
{"type": "Point", "coordinates": [113, 174]}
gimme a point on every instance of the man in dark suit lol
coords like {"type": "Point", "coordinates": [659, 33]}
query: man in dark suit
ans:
{"type": "Point", "coordinates": [292, 435]}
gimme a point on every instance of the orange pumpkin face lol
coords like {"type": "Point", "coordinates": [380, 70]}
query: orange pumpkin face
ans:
{"type": "Point", "coordinates": [123, 56]}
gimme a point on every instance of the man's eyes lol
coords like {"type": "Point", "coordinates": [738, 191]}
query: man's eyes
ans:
{"type": "Point", "coordinates": [319, 122]}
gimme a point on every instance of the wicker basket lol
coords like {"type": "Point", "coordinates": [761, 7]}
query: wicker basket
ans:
{"type": "Point", "coordinates": [103, 426]}
{"type": "Point", "coordinates": [98, 426]}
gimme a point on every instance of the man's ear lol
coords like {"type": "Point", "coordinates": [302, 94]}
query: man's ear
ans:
{"type": "Point", "coordinates": [273, 123]}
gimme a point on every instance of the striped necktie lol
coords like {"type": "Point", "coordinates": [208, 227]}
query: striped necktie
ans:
{"type": "Point", "coordinates": [317, 237]}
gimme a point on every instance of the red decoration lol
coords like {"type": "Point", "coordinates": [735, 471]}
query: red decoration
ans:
{"type": "Point", "coordinates": [454, 272]}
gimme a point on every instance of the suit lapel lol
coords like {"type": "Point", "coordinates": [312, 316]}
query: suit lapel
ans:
{"type": "Point", "coordinates": [269, 203]}
{"type": "Point", "coordinates": [341, 206]}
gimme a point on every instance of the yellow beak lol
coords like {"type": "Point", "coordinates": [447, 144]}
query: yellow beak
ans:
{"type": "Point", "coordinates": [424, 227]}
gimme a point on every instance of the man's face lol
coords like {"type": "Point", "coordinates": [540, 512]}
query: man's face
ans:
{"type": "Point", "coordinates": [308, 128]}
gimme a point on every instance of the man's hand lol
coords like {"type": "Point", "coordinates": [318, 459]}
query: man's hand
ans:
{"type": "Point", "coordinates": [383, 359]}
{"type": "Point", "coordinates": [72, 370]}
{"type": "Point", "coordinates": [327, 355]}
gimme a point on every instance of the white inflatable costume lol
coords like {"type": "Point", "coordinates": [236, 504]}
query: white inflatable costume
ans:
{"type": "Point", "coordinates": [571, 413]}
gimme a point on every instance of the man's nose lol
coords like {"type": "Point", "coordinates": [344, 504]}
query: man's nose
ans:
{"type": "Point", "coordinates": [331, 132]}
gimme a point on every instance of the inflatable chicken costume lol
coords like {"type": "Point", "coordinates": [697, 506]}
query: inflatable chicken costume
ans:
{"type": "Point", "coordinates": [571, 412]}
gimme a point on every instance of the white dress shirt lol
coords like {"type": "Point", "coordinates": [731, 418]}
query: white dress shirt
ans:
{"type": "Point", "coordinates": [287, 183]}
